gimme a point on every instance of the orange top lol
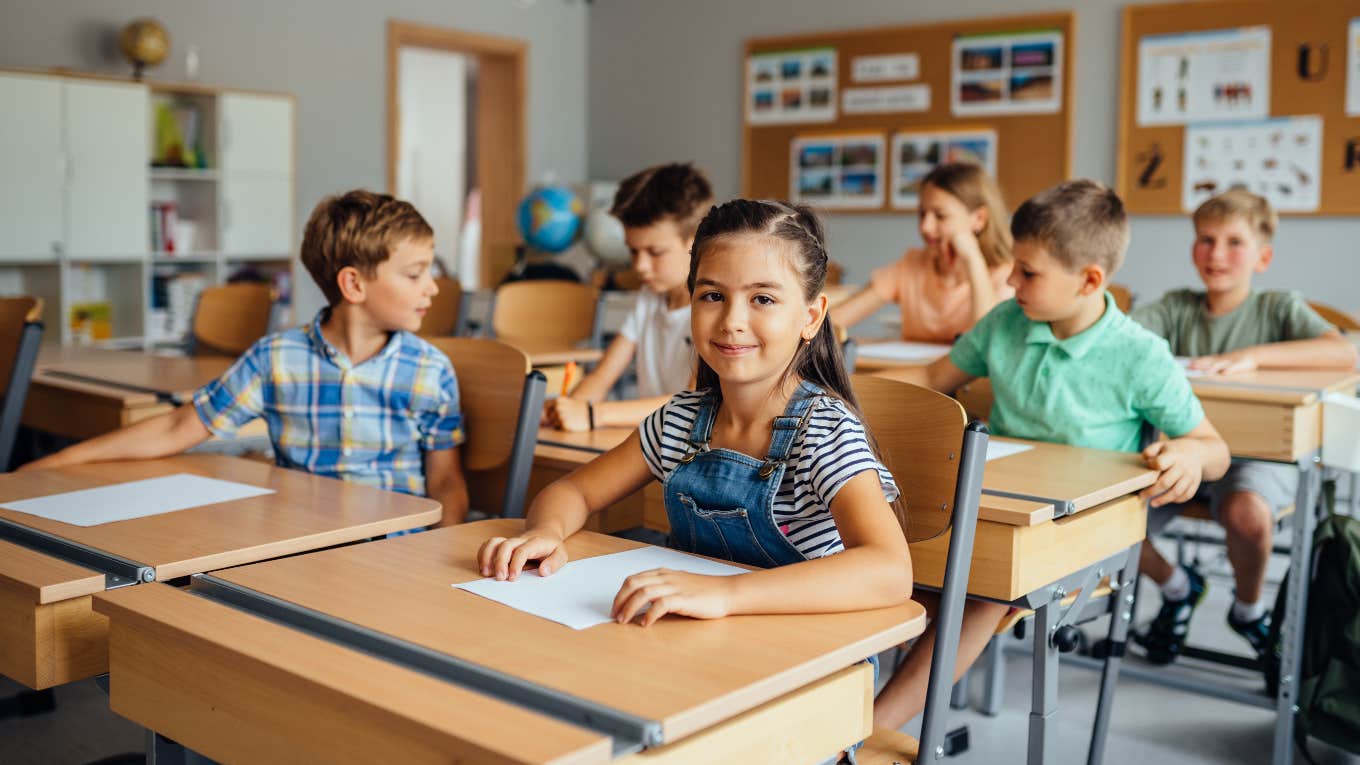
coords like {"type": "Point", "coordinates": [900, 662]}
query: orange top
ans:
{"type": "Point", "coordinates": [933, 310]}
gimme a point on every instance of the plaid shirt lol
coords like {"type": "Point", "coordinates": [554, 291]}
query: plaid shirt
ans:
{"type": "Point", "coordinates": [369, 423]}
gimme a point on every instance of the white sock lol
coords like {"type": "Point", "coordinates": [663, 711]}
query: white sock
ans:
{"type": "Point", "coordinates": [1178, 586]}
{"type": "Point", "coordinates": [1243, 612]}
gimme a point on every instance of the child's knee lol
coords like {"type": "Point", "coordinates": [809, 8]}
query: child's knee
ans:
{"type": "Point", "coordinates": [1247, 515]}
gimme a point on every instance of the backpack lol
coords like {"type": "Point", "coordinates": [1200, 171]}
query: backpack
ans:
{"type": "Point", "coordinates": [1328, 696]}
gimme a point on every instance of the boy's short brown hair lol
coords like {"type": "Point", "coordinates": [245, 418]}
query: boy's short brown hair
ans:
{"type": "Point", "coordinates": [675, 191]}
{"type": "Point", "coordinates": [1079, 223]}
{"type": "Point", "coordinates": [1240, 203]}
{"type": "Point", "coordinates": [359, 229]}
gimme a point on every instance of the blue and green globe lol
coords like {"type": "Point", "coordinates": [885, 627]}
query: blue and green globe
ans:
{"type": "Point", "coordinates": [549, 218]}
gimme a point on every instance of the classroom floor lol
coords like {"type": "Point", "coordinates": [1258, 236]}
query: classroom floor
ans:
{"type": "Point", "coordinates": [1151, 724]}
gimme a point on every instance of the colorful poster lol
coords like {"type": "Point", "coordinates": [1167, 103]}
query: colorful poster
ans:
{"type": "Point", "coordinates": [1218, 75]}
{"type": "Point", "coordinates": [1353, 69]}
{"type": "Point", "coordinates": [785, 87]}
{"type": "Point", "coordinates": [1007, 73]}
{"type": "Point", "coordinates": [1280, 159]}
{"type": "Point", "coordinates": [886, 99]}
{"type": "Point", "coordinates": [843, 171]}
{"type": "Point", "coordinates": [900, 66]}
{"type": "Point", "coordinates": [915, 154]}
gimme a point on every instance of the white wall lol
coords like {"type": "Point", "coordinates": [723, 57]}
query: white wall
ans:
{"type": "Point", "coordinates": [665, 84]}
{"type": "Point", "coordinates": [332, 55]}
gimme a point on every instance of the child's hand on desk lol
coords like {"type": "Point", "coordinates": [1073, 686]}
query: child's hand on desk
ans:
{"type": "Point", "coordinates": [1182, 468]}
{"type": "Point", "coordinates": [566, 413]}
{"type": "Point", "coordinates": [1225, 363]}
{"type": "Point", "coordinates": [672, 592]}
{"type": "Point", "coordinates": [504, 558]}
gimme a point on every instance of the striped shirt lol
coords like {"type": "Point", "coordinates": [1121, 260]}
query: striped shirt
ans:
{"type": "Point", "coordinates": [369, 423]}
{"type": "Point", "coordinates": [831, 450]}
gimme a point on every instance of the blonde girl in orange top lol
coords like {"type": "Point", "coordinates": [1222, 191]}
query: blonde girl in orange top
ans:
{"type": "Point", "coordinates": [960, 274]}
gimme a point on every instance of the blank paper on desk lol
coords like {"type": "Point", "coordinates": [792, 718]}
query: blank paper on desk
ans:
{"type": "Point", "coordinates": [907, 353]}
{"type": "Point", "coordinates": [135, 499]}
{"type": "Point", "coordinates": [581, 594]}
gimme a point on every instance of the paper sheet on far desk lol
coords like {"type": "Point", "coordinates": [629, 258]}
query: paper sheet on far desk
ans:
{"type": "Point", "coordinates": [135, 499]}
{"type": "Point", "coordinates": [1184, 361]}
{"type": "Point", "coordinates": [581, 594]}
{"type": "Point", "coordinates": [998, 449]}
{"type": "Point", "coordinates": [906, 352]}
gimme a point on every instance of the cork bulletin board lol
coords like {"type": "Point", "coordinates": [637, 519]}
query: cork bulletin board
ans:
{"type": "Point", "coordinates": [1224, 93]}
{"type": "Point", "coordinates": [848, 121]}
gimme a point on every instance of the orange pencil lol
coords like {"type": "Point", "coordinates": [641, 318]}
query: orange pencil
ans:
{"type": "Point", "coordinates": [567, 375]}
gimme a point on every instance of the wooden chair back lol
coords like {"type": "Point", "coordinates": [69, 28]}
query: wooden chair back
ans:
{"type": "Point", "coordinates": [1123, 298]}
{"type": "Point", "coordinates": [445, 311]}
{"type": "Point", "coordinates": [20, 334]}
{"type": "Point", "coordinates": [1335, 316]}
{"type": "Point", "coordinates": [501, 399]}
{"type": "Point", "coordinates": [230, 318]}
{"type": "Point", "coordinates": [919, 434]}
{"type": "Point", "coordinates": [545, 313]}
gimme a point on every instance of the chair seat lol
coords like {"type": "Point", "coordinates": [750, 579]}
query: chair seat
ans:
{"type": "Point", "coordinates": [887, 747]}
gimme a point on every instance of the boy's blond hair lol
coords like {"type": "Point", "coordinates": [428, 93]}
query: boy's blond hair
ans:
{"type": "Point", "coordinates": [1079, 223]}
{"type": "Point", "coordinates": [358, 229]}
{"type": "Point", "coordinates": [1240, 203]}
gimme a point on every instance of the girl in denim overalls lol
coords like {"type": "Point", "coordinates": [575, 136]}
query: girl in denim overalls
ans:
{"type": "Point", "coordinates": [766, 464]}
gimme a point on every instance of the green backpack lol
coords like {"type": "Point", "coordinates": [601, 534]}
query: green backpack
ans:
{"type": "Point", "coordinates": [1329, 688]}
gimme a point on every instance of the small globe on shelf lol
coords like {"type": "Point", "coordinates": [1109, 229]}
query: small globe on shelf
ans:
{"type": "Point", "coordinates": [144, 43]}
{"type": "Point", "coordinates": [549, 218]}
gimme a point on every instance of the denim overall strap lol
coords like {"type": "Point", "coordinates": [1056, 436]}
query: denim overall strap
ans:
{"type": "Point", "coordinates": [788, 425]}
{"type": "Point", "coordinates": [702, 429]}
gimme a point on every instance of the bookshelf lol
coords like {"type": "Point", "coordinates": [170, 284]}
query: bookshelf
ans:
{"type": "Point", "coordinates": [85, 162]}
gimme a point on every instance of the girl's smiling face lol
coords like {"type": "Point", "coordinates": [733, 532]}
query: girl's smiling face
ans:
{"type": "Point", "coordinates": [748, 314]}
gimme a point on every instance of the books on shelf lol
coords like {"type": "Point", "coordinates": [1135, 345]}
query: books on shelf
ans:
{"type": "Point", "coordinates": [173, 296]}
{"type": "Point", "coordinates": [90, 322]}
{"type": "Point", "coordinates": [163, 220]}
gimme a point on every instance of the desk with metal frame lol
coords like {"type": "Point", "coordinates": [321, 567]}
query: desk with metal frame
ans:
{"type": "Point", "coordinates": [368, 652]}
{"type": "Point", "coordinates": [49, 570]}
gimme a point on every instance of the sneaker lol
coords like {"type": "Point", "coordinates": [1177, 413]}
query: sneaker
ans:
{"type": "Point", "coordinates": [1255, 632]}
{"type": "Point", "coordinates": [1165, 636]}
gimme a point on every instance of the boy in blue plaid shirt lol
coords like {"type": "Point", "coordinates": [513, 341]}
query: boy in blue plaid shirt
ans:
{"type": "Point", "coordinates": [352, 395]}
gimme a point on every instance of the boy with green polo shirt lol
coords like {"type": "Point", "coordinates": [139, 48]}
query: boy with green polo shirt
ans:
{"type": "Point", "coordinates": [1230, 327]}
{"type": "Point", "coordinates": [1068, 367]}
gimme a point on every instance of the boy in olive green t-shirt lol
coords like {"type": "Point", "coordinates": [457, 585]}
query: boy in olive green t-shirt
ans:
{"type": "Point", "coordinates": [1066, 366]}
{"type": "Point", "coordinates": [1229, 327]}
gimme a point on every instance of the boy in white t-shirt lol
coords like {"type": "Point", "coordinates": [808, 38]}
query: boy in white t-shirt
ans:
{"type": "Point", "coordinates": [660, 209]}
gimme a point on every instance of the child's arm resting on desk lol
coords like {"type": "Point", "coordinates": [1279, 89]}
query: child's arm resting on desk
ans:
{"type": "Point", "coordinates": [1327, 351]}
{"type": "Point", "coordinates": [874, 571]}
{"type": "Point", "coordinates": [1200, 455]}
{"type": "Point", "coordinates": [162, 436]}
{"type": "Point", "coordinates": [562, 509]}
{"type": "Point", "coordinates": [445, 484]}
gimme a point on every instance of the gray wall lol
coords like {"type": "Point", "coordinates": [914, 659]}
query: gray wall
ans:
{"type": "Point", "coordinates": [666, 79]}
{"type": "Point", "coordinates": [332, 55]}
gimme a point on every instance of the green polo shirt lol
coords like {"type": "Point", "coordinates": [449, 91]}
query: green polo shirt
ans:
{"type": "Point", "coordinates": [1094, 389]}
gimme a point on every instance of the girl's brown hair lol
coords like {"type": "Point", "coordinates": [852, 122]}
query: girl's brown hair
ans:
{"type": "Point", "coordinates": [971, 185]}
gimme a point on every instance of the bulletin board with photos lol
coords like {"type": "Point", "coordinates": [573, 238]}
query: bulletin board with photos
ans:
{"type": "Point", "coordinates": [1241, 93]}
{"type": "Point", "coordinates": [850, 121]}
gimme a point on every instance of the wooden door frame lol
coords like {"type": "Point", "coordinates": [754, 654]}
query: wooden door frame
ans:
{"type": "Point", "coordinates": [501, 128]}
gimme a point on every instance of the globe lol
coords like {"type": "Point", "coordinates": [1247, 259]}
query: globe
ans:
{"type": "Point", "coordinates": [549, 218]}
{"type": "Point", "coordinates": [604, 235]}
{"type": "Point", "coordinates": [145, 43]}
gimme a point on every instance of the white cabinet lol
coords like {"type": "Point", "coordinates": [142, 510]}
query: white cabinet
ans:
{"type": "Point", "coordinates": [32, 167]}
{"type": "Point", "coordinates": [106, 127]}
{"type": "Point", "coordinates": [257, 215]}
{"type": "Point", "coordinates": [255, 133]}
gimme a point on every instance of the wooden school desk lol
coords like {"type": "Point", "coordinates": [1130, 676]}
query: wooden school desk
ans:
{"type": "Point", "coordinates": [1270, 416]}
{"type": "Point", "coordinates": [83, 392]}
{"type": "Point", "coordinates": [48, 634]}
{"type": "Point", "coordinates": [220, 680]}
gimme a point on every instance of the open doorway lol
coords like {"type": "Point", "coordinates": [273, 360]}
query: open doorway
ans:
{"type": "Point", "coordinates": [456, 122]}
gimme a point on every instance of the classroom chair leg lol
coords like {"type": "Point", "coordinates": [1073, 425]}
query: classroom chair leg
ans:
{"type": "Point", "coordinates": [996, 676]}
{"type": "Point", "coordinates": [958, 698]}
{"type": "Point", "coordinates": [1121, 615]}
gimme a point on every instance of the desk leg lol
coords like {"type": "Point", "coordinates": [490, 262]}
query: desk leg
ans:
{"type": "Point", "coordinates": [1295, 609]}
{"type": "Point", "coordinates": [163, 751]}
{"type": "Point", "coordinates": [1044, 686]}
{"type": "Point", "coordinates": [1121, 614]}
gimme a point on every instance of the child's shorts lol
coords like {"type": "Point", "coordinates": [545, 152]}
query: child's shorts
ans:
{"type": "Point", "coordinates": [1273, 482]}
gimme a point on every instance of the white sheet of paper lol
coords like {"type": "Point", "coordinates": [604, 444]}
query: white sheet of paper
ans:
{"type": "Point", "coordinates": [135, 499]}
{"type": "Point", "coordinates": [998, 449]}
{"type": "Point", "coordinates": [1184, 361]}
{"type": "Point", "coordinates": [903, 351]}
{"type": "Point", "coordinates": [581, 594]}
